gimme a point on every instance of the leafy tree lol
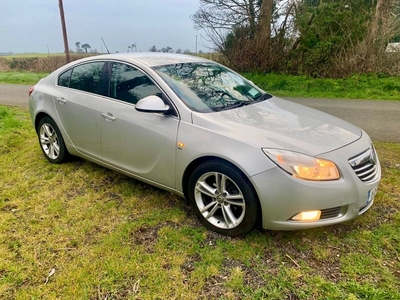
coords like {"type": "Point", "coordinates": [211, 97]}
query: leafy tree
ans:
{"type": "Point", "coordinates": [336, 38]}
{"type": "Point", "coordinates": [86, 47]}
{"type": "Point", "coordinates": [327, 29]}
{"type": "Point", "coordinates": [168, 49]}
{"type": "Point", "coordinates": [78, 47]}
{"type": "Point", "coordinates": [153, 49]}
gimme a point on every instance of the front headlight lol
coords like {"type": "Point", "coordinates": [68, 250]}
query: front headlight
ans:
{"type": "Point", "coordinates": [303, 166]}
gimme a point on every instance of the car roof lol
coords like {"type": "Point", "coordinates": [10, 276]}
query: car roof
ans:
{"type": "Point", "coordinates": [153, 59]}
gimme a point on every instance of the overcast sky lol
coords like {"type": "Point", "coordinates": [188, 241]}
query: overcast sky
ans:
{"type": "Point", "coordinates": [35, 26]}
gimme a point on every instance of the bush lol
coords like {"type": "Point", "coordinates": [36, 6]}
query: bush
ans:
{"type": "Point", "coordinates": [36, 64]}
{"type": "Point", "coordinates": [4, 66]}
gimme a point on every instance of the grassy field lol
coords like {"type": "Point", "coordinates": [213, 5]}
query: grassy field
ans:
{"type": "Point", "coordinates": [27, 55]}
{"type": "Point", "coordinates": [356, 87]}
{"type": "Point", "coordinates": [21, 77]}
{"type": "Point", "coordinates": [79, 231]}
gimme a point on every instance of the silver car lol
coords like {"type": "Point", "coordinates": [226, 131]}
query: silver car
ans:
{"type": "Point", "coordinates": [242, 157]}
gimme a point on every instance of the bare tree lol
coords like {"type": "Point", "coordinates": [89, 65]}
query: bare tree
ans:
{"type": "Point", "coordinates": [386, 20]}
{"type": "Point", "coordinates": [384, 26]}
{"type": "Point", "coordinates": [218, 18]}
{"type": "Point", "coordinates": [266, 18]}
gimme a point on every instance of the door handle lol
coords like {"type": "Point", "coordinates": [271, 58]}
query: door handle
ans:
{"type": "Point", "coordinates": [61, 100]}
{"type": "Point", "coordinates": [108, 116]}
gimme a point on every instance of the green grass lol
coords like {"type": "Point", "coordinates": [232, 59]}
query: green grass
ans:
{"type": "Point", "coordinates": [355, 87]}
{"type": "Point", "coordinates": [27, 78]}
{"type": "Point", "coordinates": [28, 55]}
{"type": "Point", "coordinates": [109, 236]}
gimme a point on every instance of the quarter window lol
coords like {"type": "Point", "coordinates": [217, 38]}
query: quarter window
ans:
{"type": "Point", "coordinates": [130, 85]}
{"type": "Point", "coordinates": [86, 77]}
{"type": "Point", "coordinates": [63, 80]}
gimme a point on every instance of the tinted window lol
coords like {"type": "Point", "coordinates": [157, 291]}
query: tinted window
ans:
{"type": "Point", "coordinates": [63, 80]}
{"type": "Point", "coordinates": [130, 85]}
{"type": "Point", "coordinates": [87, 77]}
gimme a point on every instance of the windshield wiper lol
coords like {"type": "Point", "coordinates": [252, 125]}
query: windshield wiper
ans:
{"type": "Point", "coordinates": [235, 105]}
{"type": "Point", "coordinates": [263, 97]}
{"type": "Point", "coordinates": [241, 103]}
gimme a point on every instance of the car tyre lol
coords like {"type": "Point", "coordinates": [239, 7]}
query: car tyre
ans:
{"type": "Point", "coordinates": [223, 198]}
{"type": "Point", "coordinates": [51, 141]}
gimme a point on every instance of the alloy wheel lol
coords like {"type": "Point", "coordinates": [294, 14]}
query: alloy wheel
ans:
{"type": "Point", "coordinates": [49, 141]}
{"type": "Point", "coordinates": [220, 200]}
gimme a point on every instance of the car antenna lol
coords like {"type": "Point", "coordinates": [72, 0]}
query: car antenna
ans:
{"type": "Point", "coordinates": [105, 45]}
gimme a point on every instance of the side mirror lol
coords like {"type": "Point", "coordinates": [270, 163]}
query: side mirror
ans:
{"type": "Point", "coordinates": [152, 104]}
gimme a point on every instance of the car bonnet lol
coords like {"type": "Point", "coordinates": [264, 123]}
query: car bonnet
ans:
{"type": "Point", "coordinates": [281, 124]}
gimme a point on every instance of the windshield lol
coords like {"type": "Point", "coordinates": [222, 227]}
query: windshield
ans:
{"type": "Point", "coordinates": [206, 87]}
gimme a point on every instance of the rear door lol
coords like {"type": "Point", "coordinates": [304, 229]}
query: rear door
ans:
{"type": "Point", "coordinates": [140, 143]}
{"type": "Point", "coordinates": [77, 102]}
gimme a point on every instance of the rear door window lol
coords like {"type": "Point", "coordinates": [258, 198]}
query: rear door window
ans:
{"type": "Point", "coordinates": [86, 77]}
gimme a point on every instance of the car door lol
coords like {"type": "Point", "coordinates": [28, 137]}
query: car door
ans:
{"type": "Point", "coordinates": [77, 102]}
{"type": "Point", "coordinates": [141, 143]}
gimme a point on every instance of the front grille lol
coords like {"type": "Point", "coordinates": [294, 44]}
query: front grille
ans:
{"type": "Point", "coordinates": [365, 165]}
{"type": "Point", "coordinates": [330, 212]}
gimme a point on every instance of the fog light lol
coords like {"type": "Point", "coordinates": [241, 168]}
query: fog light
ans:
{"type": "Point", "coordinates": [307, 216]}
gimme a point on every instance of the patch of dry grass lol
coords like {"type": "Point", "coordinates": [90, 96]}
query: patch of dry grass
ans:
{"type": "Point", "coordinates": [79, 231]}
{"type": "Point", "coordinates": [40, 63]}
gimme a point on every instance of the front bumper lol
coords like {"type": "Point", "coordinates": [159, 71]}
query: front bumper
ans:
{"type": "Point", "coordinates": [283, 196]}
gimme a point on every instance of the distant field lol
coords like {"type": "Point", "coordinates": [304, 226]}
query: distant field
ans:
{"type": "Point", "coordinates": [30, 55]}
{"type": "Point", "coordinates": [36, 62]}
{"type": "Point", "coordinates": [25, 55]}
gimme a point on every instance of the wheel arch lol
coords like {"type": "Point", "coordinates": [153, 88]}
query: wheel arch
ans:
{"type": "Point", "coordinates": [200, 160]}
{"type": "Point", "coordinates": [40, 116]}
